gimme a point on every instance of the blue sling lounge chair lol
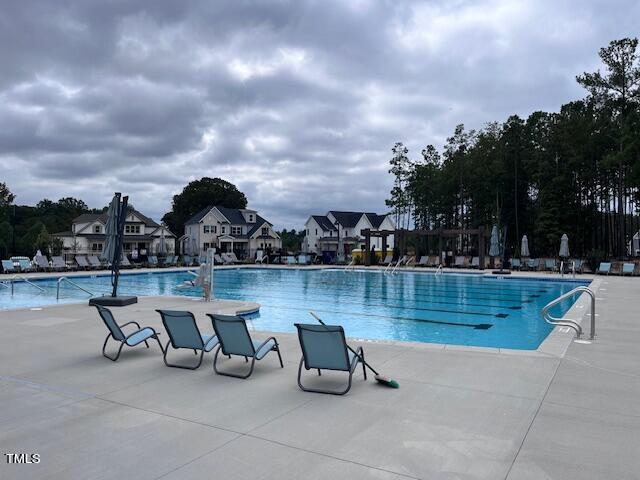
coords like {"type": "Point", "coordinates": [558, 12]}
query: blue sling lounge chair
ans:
{"type": "Point", "coordinates": [184, 333]}
{"type": "Point", "coordinates": [604, 268]}
{"type": "Point", "coordinates": [235, 340]}
{"type": "Point", "coordinates": [115, 331]}
{"type": "Point", "coordinates": [324, 347]}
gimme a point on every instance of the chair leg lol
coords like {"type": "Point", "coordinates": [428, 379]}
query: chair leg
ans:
{"type": "Point", "coordinates": [364, 367]}
{"type": "Point", "coordinates": [318, 390]}
{"type": "Point", "coordinates": [227, 374]}
{"type": "Point", "coordinates": [164, 358]}
{"type": "Point", "coordinates": [104, 353]}
{"type": "Point", "coordinates": [277, 349]}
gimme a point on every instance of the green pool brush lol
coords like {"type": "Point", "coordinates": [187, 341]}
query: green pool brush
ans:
{"type": "Point", "coordinates": [382, 379]}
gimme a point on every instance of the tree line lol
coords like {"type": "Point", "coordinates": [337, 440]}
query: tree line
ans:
{"type": "Point", "coordinates": [576, 171]}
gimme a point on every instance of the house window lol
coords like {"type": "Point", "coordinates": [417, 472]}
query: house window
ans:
{"type": "Point", "coordinates": [236, 230]}
{"type": "Point", "coordinates": [208, 245]}
{"type": "Point", "coordinates": [316, 231]}
{"type": "Point", "coordinates": [209, 228]}
{"type": "Point", "coordinates": [96, 247]}
{"type": "Point", "coordinates": [96, 229]}
{"type": "Point", "coordinates": [331, 233]}
{"type": "Point", "coordinates": [223, 229]}
{"type": "Point", "coordinates": [251, 217]}
{"type": "Point", "coordinates": [127, 246]}
{"type": "Point", "coordinates": [265, 231]}
{"type": "Point", "coordinates": [132, 229]}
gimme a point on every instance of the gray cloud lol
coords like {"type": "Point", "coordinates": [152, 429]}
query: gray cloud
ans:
{"type": "Point", "coordinates": [296, 102]}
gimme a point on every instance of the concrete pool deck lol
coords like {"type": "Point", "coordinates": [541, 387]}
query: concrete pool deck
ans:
{"type": "Point", "coordinates": [459, 413]}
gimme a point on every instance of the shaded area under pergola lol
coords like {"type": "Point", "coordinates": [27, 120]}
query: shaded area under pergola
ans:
{"type": "Point", "coordinates": [400, 239]}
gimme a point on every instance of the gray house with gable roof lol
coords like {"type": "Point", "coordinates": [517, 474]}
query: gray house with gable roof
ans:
{"type": "Point", "coordinates": [242, 231]}
{"type": "Point", "coordinates": [338, 232]}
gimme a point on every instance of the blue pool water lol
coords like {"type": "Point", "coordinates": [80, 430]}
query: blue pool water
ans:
{"type": "Point", "coordinates": [475, 310]}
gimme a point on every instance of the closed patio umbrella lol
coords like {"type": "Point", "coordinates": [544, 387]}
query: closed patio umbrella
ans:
{"type": "Point", "coordinates": [494, 249]}
{"type": "Point", "coordinates": [564, 246]}
{"type": "Point", "coordinates": [111, 230]}
{"type": "Point", "coordinates": [524, 247]}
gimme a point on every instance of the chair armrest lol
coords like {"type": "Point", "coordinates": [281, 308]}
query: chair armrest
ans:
{"type": "Point", "coordinates": [130, 323]}
{"type": "Point", "coordinates": [266, 341]}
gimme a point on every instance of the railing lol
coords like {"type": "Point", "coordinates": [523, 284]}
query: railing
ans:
{"type": "Point", "coordinates": [439, 270]}
{"type": "Point", "coordinates": [403, 259]}
{"type": "Point", "coordinates": [567, 322]}
{"type": "Point", "coordinates": [3, 284]}
{"type": "Point", "coordinates": [352, 265]}
{"type": "Point", "coordinates": [73, 284]}
{"type": "Point", "coordinates": [26, 280]}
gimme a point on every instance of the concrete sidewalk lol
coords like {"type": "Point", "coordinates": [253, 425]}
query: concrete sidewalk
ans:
{"type": "Point", "coordinates": [460, 413]}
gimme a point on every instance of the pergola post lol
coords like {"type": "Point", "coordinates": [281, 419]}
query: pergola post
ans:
{"type": "Point", "coordinates": [384, 246]}
{"type": "Point", "coordinates": [367, 242]}
{"type": "Point", "coordinates": [439, 246]}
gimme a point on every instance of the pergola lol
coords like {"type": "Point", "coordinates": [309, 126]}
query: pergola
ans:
{"type": "Point", "coordinates": [401, 235]}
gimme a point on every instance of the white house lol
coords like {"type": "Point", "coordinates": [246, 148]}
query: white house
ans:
{"type": "Point", "coordinates": [339, 232]}
{"type": "Point", "coordinates": [142, 235]}
{"type": "Point", "coordinates": [242, 231]}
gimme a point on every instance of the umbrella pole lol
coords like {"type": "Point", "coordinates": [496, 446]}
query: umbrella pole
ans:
{"type": "Point", "coordinates": [115, 265]}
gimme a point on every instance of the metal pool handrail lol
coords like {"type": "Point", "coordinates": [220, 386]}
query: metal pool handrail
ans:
{"type": "Point", "coordinates": [74, 284]}
{"type": "Point", "coordinates": [26, 280]}
{"type": "Point", "coordinates": [550, 319]}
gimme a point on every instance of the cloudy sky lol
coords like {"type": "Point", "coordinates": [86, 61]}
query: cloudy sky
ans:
{"type": "Point", "coordinates": [296, 102]}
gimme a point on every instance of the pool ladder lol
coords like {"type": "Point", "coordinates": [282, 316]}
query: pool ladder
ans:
{"type": "Point", "coordinates": [72, 283]}
{"type": "Point", "coordinates": [24, 279]}
{"type": "Point", "coordinates": [565, 322]}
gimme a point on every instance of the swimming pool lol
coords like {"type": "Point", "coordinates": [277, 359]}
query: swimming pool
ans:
{"type": "Point", "coordinates": [460, 309]}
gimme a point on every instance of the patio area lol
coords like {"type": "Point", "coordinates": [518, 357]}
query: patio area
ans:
{"type": "Point", "coordinates": [460, 412]}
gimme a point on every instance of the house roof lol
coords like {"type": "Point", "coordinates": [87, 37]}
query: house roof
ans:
{"type": "Point", "coordinates": [351, 219]}
{"type": "Point", "coordinates": [234, 215]}
{"type": "Point", "coordinates": [324, 222]}
{"type": "Point", "coordinates": [102, 217]}
{"type": "Point", "coordinates": [375, 219]}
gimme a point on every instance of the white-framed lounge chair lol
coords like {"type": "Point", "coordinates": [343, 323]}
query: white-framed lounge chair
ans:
{"type": "Point", "coordinates": [25, 265]}
{"type": "Point", "coordinates": [424, 259]}
{"type": "Point", "coordinates": [183, 332]}
{"type": "Point", "coordinates": [533, 264]}
{"type": "Point", "coordinates": [187, 260]}
{"type": "Point", "coordinates": [291, 260]}
{"type": "Point", "coordinates": [234, 338]}
{"type": "Point", "coordinates": [125, 263]}
{"type": "Point", "coordinates": [58, 264]}
{"type": "Point", "coordinates": [628, 268]}
{"type": "Point", "coordinates": [94, 261]}
{"type": "Point", "coordinates": [388, 259]}
{"type": "Point", "coordinates": [604, 268]}
{"type": "Point", "coordinates": [261, 257]}
{"type": "Point", "coordinates": [8, 267]}
{"type": "Point", "coordinates": [475, 262]}
{"type": "Point", "coordinates": [218, 259]}
{"type": "Point", "coordinates": [304, 259]}
{"type": "Point", "coordinates": [42, 263]}
{"type": "Point", "coordinates": [433, 261]}
{"type": "Point", "coordinates": [459, 261]}
{"type": "Point", "coordinates": [233, 257]}
{"type": "Point", "coordinates": [83, 263]}
{"type": "Point", "coordinates": [324, 347]}
{"type": "Point", "coordinates": [227, 259]}
{"type": "Point", "coordinates": [115, 331]}
{"type": "Point", "coordinates": [578, 265]}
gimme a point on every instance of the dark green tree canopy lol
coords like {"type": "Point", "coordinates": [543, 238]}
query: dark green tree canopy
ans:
{"type": "Point", "coordinates": [6, 197]}
{"type": "Point", "coordinates": [198, 195]}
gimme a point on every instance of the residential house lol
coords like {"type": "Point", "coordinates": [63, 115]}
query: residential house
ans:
{"type": "Point", "coordinates": [242, 231]}
{"type": "Point", "coordinates": [142, 235]}
{"type": "Point", "coordinates": [337, 233]}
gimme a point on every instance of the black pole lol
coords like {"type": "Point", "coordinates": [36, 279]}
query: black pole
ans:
{"type": "Point", "coordinates": [115, 264]}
